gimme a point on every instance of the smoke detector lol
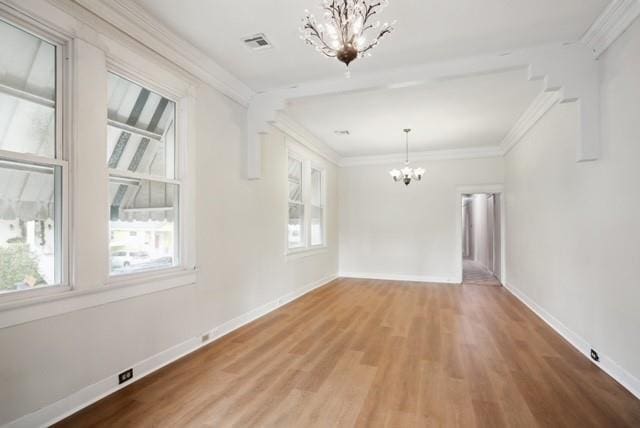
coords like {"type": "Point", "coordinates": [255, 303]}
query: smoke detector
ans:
{"type": "Point", "coordinates": [257, 42]}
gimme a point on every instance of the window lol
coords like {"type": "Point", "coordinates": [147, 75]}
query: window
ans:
{"type": "Point", "coordinates": [295, 229]}
{"type": "Point", "coordinates": [305, 226]}
{"type": "Point", "coordinates": [144, 191]}
{"type": "Point", "coordinates": [32, 169]}
{"type": "Point", "coordinates": [317, 207]}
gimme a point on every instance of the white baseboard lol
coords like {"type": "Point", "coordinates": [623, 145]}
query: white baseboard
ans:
{"type": "Point", "coordinates": [78, 400]}
{"type": "Point", "coordinates": [394, 277]}
{"type": "Point", "coordinates": [260, 311]}
{"type": "Point", "coordinates": [609, 366]}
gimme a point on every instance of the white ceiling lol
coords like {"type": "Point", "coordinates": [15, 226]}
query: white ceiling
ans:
{"type": "Point", "coordinates": [427, 30]}
{"type": "Point", "coordinates": [459, 113]}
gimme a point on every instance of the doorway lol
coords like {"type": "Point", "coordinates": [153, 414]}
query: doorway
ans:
{"type": "Point", "coordinates": [481, 239]}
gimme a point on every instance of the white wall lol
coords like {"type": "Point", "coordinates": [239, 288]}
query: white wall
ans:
{"type": "Point", "coordinates": [242, 223]}
{"type": "Point", "coordinates": [389, 230]}
{"type": "Point", "coordinates": [240, 242]}
{"type": "Point", "coordinates": [497, 236]}
{"type": "Point", "coordinates": [467, 239]}
{"type": "Point", "coordinates": [572, 228]}
{"type": "Point", "coordinates": [482, 230]}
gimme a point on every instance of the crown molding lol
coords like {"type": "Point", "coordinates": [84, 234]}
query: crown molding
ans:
{"type": "Point", "coordinates": [299, 133]}
{"type": "Point", "coordinates": [428, 155]}
{"type": "Point", "coordinates": [538, 108]}
{"type": "Point", "coordinates": [568, 71]}
{"type": "Point", "coordinates": [134, 21]}
{"type": "Point", "coordinates": [613, 21]}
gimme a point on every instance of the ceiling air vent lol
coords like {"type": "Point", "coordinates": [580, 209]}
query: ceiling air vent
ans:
{"type": "Point", "coordinates": [257, 42]}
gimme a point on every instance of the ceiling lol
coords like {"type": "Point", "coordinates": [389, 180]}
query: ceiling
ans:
{"type": "Point", "coordinates": [469, 112]}
{"type": "Point", "coordinates": [427, 30]}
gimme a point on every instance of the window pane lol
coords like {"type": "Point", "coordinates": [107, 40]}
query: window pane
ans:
{"type": "Point", "coordinates": [29, 226]}
{"type": "Point", "coordinates": [295, 192]}
{"type": "Point", "coordinates": [295, 170]}
{"type": "Point", "coordinates": [316, 187]}
{"type": "Point", "coordinates": [317, 236]}
{"type": "Point", "coordinates": [143, 224]}
{"type": "Point", "coordinates": [141, 129]}
{"type": "Point", "coordinates": [296, 225]}
{"type": "Point", "coordinates": [27, 92]}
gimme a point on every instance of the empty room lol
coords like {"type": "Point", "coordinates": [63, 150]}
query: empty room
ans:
{"type": "Point", "coordinates": [319, 213]}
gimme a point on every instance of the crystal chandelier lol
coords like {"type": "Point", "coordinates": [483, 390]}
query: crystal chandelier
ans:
{"type": "Point", "coordinates": [344, 33]}
{"type": "Point", "coordinates": [407, 173]}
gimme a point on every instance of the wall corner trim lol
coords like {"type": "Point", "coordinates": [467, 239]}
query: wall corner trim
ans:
{"type": "Point", "coordinates": [88, 395]}
{"type": "Point", "coordinates": [613, 21]}
{"type": "Point", "coordinates": [608, 365]}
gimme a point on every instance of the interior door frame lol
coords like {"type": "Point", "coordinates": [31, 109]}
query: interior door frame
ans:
{"type": "Point", "coordinates": [482, 188]}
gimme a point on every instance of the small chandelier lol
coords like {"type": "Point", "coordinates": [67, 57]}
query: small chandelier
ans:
{"type": "Point", "coordinates": [407, 173]}
{"type": "Point", "coordinates": [342, 36]}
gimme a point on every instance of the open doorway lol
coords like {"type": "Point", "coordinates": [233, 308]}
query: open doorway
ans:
{"type": "Point", "coordinates": [481, 239]}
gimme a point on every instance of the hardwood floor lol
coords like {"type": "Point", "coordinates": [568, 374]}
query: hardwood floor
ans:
{"type": "Point", "coordinates": [378, 353]}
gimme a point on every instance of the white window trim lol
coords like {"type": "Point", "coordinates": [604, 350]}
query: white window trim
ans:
{"type": "Point", "coordinates": [60, 301]}
{"type": "Point", "coordinates": [303, 187]}
{"type": "Point", "coordinates": [307, 249]}
{"type": "Point", "coordinates": [323, 204]}
{"type": "Point", "coordinates": [30, 305]}
{"type": "Point", "coordinates": [63, 145]}
{"type": "Point", "coordinates": [185, 251]}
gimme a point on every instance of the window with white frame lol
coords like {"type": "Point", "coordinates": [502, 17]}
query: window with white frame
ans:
{"type": "Point", "coordinates": [306, 214]}
{"type": "Point", "coordinates": [295, 229]}
{"type": "Point", "coordinates": [32, 167]}
{"type": "Point", "coordinates": [144, 189]}
{"type": "Point", "coordinates": [317, 207]}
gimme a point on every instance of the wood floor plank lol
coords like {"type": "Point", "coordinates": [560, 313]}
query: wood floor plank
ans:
{"type": "Point", "coordinates": [379, 353]}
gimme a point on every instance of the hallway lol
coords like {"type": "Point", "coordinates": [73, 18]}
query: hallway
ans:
{"type": "Point", "coordinates": [476, 274]}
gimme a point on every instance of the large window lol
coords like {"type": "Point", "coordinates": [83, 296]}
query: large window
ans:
{"type": "Point", "coordinates": [305, 226]}
{"type": "Point", "coordinates": [143, 187]}
{"type": "Point", "coordinates": [32, 168]}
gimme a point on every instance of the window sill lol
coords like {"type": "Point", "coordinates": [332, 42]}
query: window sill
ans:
{"type": "Point", "coordinates": [134, 278]}
{"type": "Point", "coordinates": [115, 289]}
{"type": "Point", "coordinates": [301, 253]}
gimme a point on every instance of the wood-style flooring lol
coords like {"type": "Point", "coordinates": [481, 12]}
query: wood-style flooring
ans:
{"type": "Point", "coordinates": [379, 353]}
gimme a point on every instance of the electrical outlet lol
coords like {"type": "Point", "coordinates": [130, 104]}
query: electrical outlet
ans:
{"type": "Point", "coordinates": [125, 376]}
{"type": "Point", "coordinates": [594, 355]}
